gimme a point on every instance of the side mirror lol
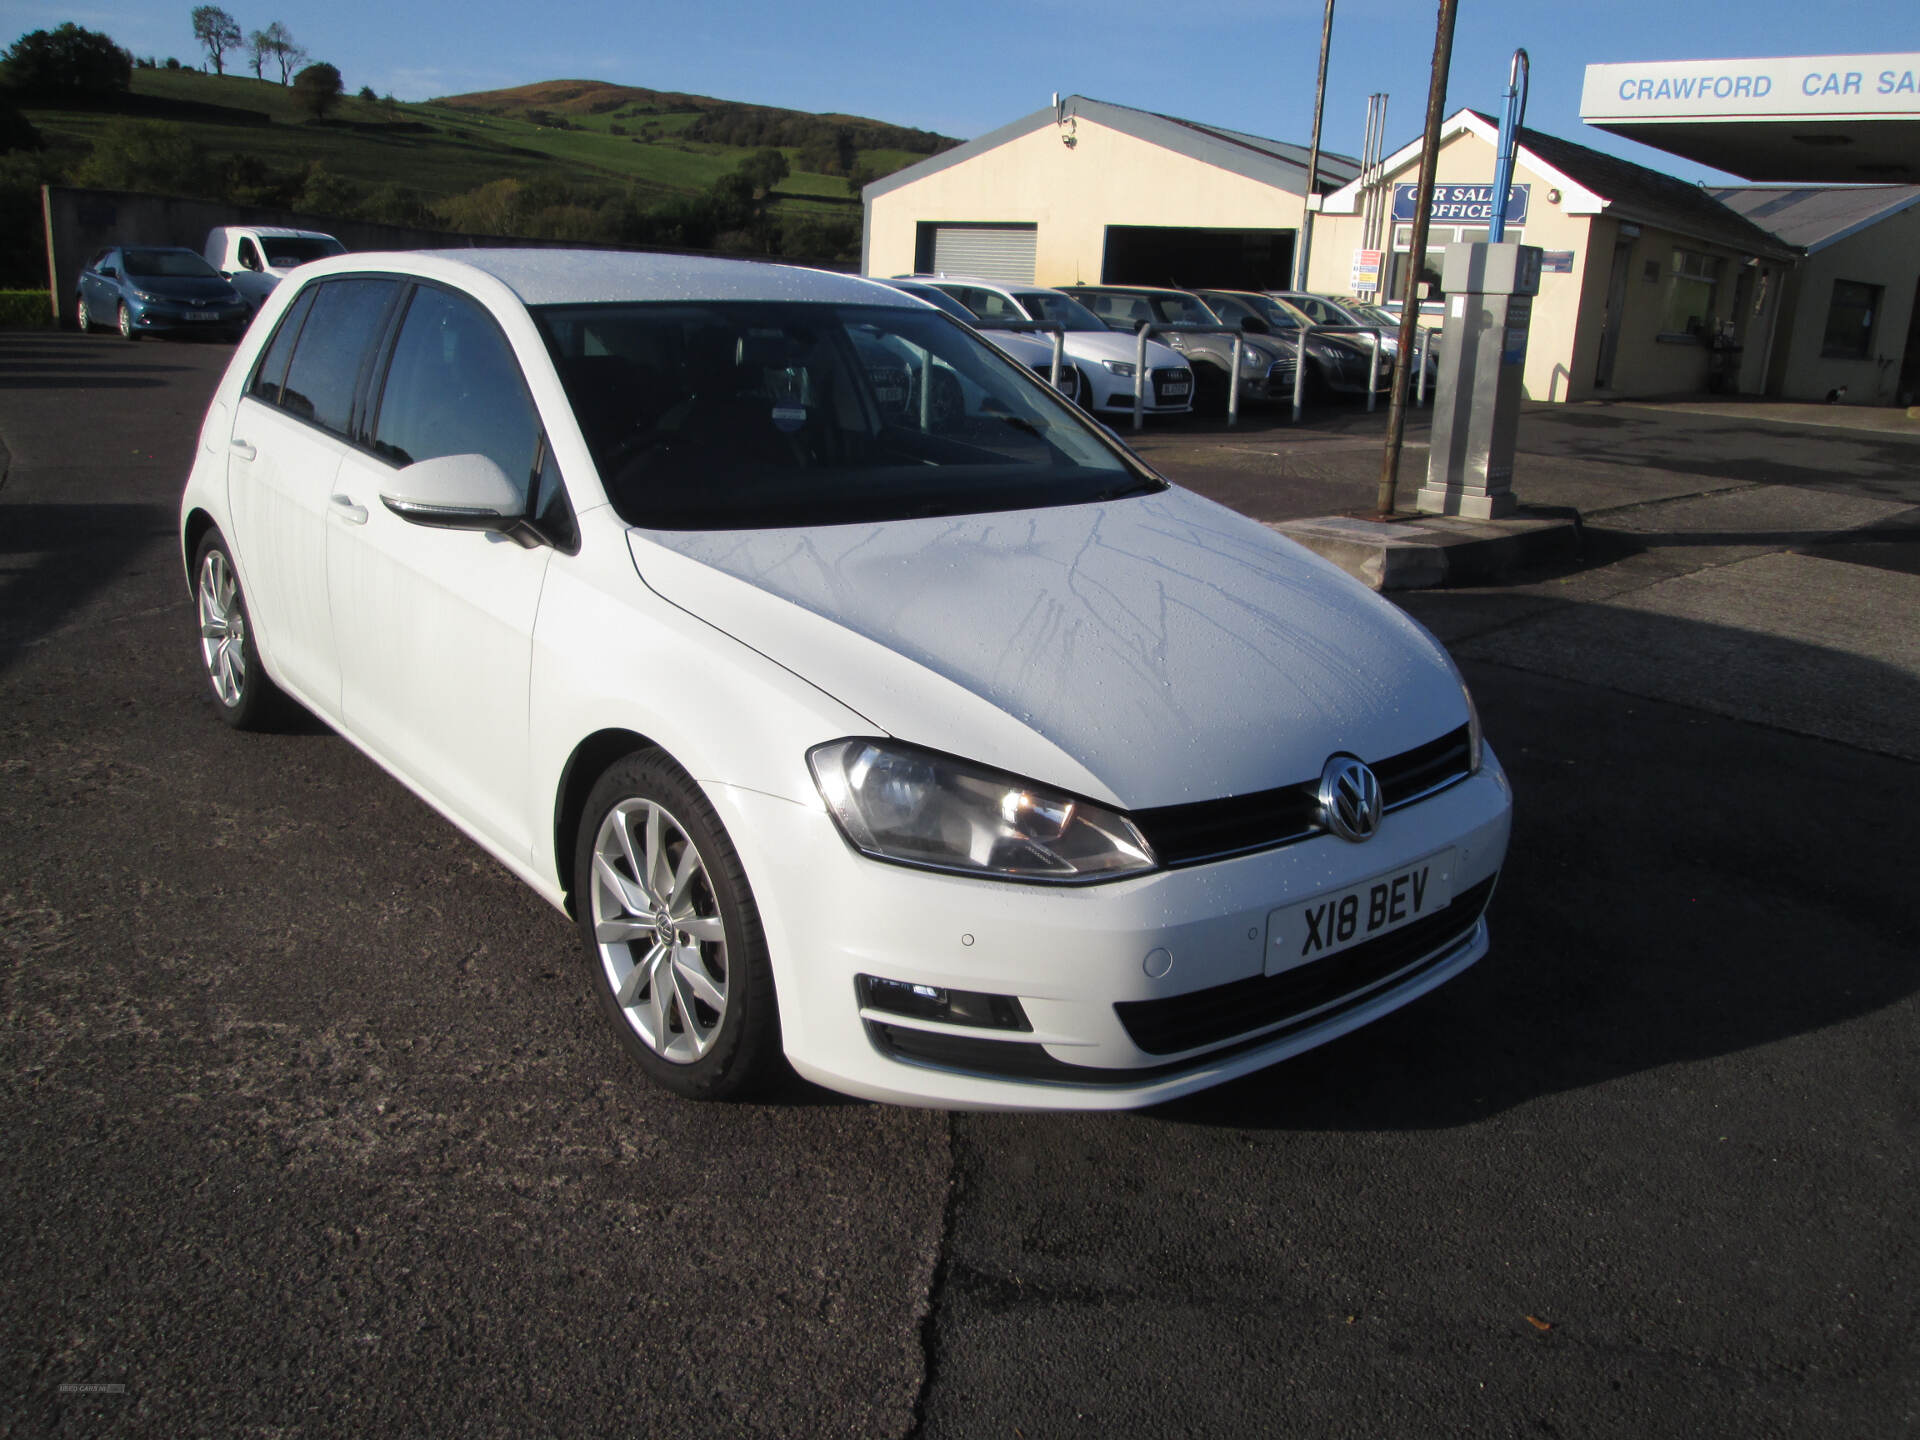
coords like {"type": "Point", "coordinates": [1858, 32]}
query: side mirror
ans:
{"type": "Point", "coordinates": [459, 492]}
{"type": "Point", "coordinates": [109, 272]}
{"type": "Point", "coordinates": [1254, 325]}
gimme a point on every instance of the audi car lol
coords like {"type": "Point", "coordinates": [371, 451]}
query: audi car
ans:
{"type": "Point", "coordinates": [947, 757]}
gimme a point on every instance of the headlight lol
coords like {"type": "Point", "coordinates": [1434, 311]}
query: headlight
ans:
{"type": "Point", "coordinates": [915, 807]}
{"type": "Point", "coordinates": [1123, 368]}
{"type": "Point", "coordinates": [140, 294]}
{"type": "Point", "coordinates": [1252, 359]}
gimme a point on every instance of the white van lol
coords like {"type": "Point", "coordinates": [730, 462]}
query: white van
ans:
{"type": "Point", "coordinates": [256, 257]}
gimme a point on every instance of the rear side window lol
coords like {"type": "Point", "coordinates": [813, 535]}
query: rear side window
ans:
{"type": "Point", "coordinates": [271, 373]}
{"type": "Point", "coordinates": [324, 374]}
{"type": "Point", "coordinates": [455, 388]}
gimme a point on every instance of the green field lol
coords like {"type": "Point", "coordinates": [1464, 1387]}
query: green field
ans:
{"type": "Point", "coordinates": [440, 150]}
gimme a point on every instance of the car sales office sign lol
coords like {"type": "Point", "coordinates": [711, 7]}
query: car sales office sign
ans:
{"type": "Point", "coordinates": [1462, 204]}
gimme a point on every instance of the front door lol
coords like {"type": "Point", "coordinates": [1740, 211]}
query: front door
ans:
{"type": "Point", "coordinates": [435, 626]}
{"type": "Point", "coordinates": [1616, 313]}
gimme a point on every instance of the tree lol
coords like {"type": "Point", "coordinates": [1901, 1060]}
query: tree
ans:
{"type": "Point", "coordinates": [318, 87]}
{"type": "Point", "coordinates": [218, 31]}
{"type": "Point", "coordinates": [276, 42]}
{"type": "Point", "coordinates": [259, 46]}
{"type": "Point", "coordinates": [764, 169]}
{"type": "Point", "coordinates": [68, 58]}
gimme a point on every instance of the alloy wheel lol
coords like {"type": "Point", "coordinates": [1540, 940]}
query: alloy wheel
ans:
{"type": "Point", "coordinates": [223, 629]}
{"type": "Point", "coordinates": [657, 926]}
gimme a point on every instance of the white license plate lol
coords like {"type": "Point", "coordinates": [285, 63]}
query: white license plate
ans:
{"type": "Point", "coordinates": [1340, 919]}
{"type": "Point", "coordinates": [201, 315]}
{"type": "Point", "coordinates": [1172, 392]}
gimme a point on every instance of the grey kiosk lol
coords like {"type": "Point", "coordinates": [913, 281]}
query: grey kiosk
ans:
{"type": "Point", "coordinates": [1489, 290]}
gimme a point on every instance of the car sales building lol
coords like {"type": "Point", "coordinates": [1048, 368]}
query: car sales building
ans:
{"type": "Point", "coordinates": [1651, 285]}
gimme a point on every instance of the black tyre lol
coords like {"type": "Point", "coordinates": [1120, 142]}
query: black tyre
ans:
{"type": "Point", "coordinates": [80, 315]}
{"type": "Point", "coordinates": [127, 332]}
{"type": "Point", "coordinates": [242, 694]}
{"type": "Point", "coordinates": [674, 949]}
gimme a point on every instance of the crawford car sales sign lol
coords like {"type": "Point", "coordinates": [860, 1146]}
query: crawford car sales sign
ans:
{"type": "Point", "coordinates": [1463, 204]}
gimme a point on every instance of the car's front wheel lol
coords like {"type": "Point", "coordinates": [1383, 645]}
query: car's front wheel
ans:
{"type": "Point", "coordinates": [674, 948]}
{"type": "Point", "coordinates": [127, 332]}
{"type": "Point", "coordinates": [229, 654]}
{"type": "Point", "coordinates": [80, 315]}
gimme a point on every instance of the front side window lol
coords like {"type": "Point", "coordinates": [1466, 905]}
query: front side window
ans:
{"type": "Point", "coordinates": [738, 415]}
{"type": "Point", "coordinates": [1850, 315]}
{"type": "Point", "coordinates": [454, 387]}
{"type": "Point", "coordinates": [249, 254]}
{"type": "Point", "coordinates": [1691, 286]}
{"type": "Point", "coordinates": [334, 343]}
{"type": "Point", "coordinates": [989, 305]}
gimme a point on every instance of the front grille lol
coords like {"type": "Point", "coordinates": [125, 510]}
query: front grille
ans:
{"type": "Point", "coordinates": [1171, 375]}
{"type": "Point", "coordinates": [1206, 1017]}
{"type": "Point", "coordinates": [1214, 829]}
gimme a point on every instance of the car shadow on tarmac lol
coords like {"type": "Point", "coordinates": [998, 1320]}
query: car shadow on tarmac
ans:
{"type": "Point", "coordinates": [1682, 884]}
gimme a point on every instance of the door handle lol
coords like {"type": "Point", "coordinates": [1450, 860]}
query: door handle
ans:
{"type": "Point", "coordinates": [344, 507]}
{"type": "Point", "coordinates": [242, 450]}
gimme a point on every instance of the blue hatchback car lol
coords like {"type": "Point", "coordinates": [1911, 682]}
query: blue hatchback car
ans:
{"type": "Point", "coordinates": [155, 290]}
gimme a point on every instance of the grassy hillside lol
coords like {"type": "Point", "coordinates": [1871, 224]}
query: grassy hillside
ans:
{"type": "Point", "coordinates": [573, 159]}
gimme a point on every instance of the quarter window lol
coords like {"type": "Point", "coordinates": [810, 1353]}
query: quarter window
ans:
{"type": "Point", "coordinates": [271, 373]}
{"type": "Point", "coordinates": [455, 388]}
{"type": "Point", "coordinates": [324, 375]}
{"type": "Point", "coordinates": [1850, 316]}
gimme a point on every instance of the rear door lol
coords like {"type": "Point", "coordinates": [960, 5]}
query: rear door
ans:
{"type": "Point", "coordinates": [289, 433]}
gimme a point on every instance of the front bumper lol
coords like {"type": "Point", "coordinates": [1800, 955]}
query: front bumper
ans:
{"type": "Point", "coordinates": [164, 317]}
{"type": "Point", "coordinates": [1079, 961]}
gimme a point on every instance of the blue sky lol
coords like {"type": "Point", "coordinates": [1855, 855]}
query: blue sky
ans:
{"type": "Point", "coordinates": [963, 70]}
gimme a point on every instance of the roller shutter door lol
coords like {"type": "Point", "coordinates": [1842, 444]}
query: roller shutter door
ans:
{"type": "Point", "coordinates": [992, 252]}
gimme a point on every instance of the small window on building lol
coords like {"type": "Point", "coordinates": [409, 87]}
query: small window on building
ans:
{"type": "Point", "coordinates": [1850, 321]}
{"type": "Point", "coordinates": [1690, 294]}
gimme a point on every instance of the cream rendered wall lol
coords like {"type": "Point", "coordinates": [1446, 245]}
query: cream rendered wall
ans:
{"type": "Point", "coordinates": [1072, 194]}
{"type": "Point", "coordinates": [1887, 255]}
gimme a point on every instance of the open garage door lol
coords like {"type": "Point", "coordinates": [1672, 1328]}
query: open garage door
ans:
{"type": "Point", "coordinates": [1187, 257]}
{"type": "Point", "coordinates": [992, 252]}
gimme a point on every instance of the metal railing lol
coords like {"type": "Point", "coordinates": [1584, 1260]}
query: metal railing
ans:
{"type": "Point", "coordinates": [1146, 332]}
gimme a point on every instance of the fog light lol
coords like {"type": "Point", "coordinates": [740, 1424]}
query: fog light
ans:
{"type": "Point", "coordinates": [936, 1002]}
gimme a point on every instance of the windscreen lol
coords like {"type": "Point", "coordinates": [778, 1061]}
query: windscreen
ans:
{"type": "Point", "coordinates": [1183, 310]}
{"type": "Point", "coordinates": [736, 415]}
{"type": "Point", "coordinates": [177, 264]}
{"type": "Point", "coordinates": [1068, 313]}
{"type": "Point", "coordinates": [286, 251]}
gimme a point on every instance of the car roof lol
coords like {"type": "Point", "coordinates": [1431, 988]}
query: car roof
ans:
{"type": "Point", "coordinates": [588, 277]}
{"type": "Point", "coordinates": [1134, 289]}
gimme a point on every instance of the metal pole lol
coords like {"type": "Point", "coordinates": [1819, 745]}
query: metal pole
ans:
{"type": "Point", "coordinates": [1313, 157]}
{"type": "Point", "coordinates": [926, 392]}
{"type": "Point", "coordinates": [1059, 344]}
{"type": "Point", "coordinates": [1373, 369]}
{"type": "Point", "coordinates": [1410, 292]}
{"type": "Point", "coordinates": [1420, 360]}
{"type": "Point", "coordinates": [1300, 373]}
{"type": "Point", "coordinates": [1510, 120]}
{"type": "Point", "coordinates": [1233, 382]}
{"type": "Point", "coordinates": [1140, 377]}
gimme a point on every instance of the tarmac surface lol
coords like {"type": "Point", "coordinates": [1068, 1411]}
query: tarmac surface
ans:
{"type": "Point", "coordinates": [313, 1130]}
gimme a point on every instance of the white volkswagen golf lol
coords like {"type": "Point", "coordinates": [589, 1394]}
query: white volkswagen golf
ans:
{"type": "Point", "coordinates": [953, 755]}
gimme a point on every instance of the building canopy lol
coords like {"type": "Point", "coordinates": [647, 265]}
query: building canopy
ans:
{"type": "Point", "coordinates": [1821, 119]}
